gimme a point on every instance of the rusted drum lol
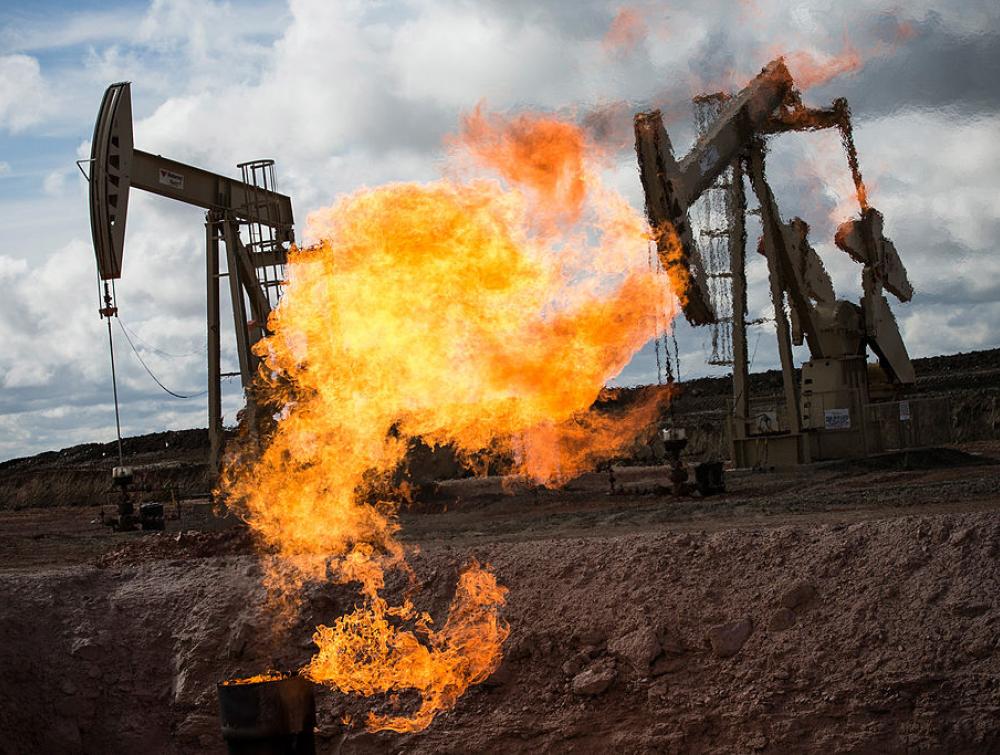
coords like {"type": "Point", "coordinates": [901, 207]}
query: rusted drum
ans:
{"type": "Point", "coordinates": [273, 715]}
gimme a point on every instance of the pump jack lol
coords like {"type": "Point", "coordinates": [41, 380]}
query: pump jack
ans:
{"type": "Point", "coordinates": [824, 417]}
{"type": "Point", "coordinates": [255, 268]}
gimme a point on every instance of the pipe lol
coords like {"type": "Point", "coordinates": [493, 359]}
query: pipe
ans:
{"type": "Point", "coordinates": [269, 715]}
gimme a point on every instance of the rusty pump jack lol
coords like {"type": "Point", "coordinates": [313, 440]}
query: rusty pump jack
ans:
{"type": "Point", "coordinates": [824, 416]}
{"type": "Point", "coordinates": [255, 268]}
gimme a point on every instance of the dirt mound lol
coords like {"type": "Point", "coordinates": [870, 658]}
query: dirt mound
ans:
{"type": "Point", "coordinates": [173, 461]}
{"type": "Point", "coordinates": [910, 459]}
{"type": "Point", "coordinates": [172, 444]}
{"type": "Point", "coordinates": [878, 636]}
{"type": "Point", "coordinates": [154, 546]}
{"type": "Point", "coordinates": [90, 485]}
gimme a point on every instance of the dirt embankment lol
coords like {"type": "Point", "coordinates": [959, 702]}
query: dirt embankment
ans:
{"type": "Point", "coordinates": [177, 460]}
{"type": "Point", "coordinates": [878, 636]}
{"type": "Point", "coordinates": [174, 461]}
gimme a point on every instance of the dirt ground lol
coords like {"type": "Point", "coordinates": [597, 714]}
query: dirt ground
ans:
{"type": "Point", "coordinates": [849, 608]}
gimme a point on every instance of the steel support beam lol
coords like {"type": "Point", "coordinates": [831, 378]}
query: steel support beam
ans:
{"type": "Point", "coordinates": [202, 188]}
{"type": "Point", "coordinates": [247, 274]}
{"type": "Point", "coordinates": [771, 223]}
{"type": "Point", "coordinates": [247, 359]}
{"type": "Point", "coordinates": [671, 186]}
{"type": "Point", "coordinates": [215, 432]}
{"type": "Point", "coordinates": [737, 257]}
{"type": "Point", "coordinates": [741, 117]}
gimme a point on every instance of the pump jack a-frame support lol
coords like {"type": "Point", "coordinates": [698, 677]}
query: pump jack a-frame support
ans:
{"type": "Point", "coordinates": [255, 268]}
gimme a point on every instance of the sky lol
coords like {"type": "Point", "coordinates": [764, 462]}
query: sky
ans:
{"type": "Point", "coordinates": [351, 94]}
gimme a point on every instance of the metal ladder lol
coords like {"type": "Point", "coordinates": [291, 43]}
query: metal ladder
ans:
{"type": "Point", "coordinates": [262, 244]}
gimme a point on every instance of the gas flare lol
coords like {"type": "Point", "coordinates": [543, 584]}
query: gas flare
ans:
{"type": "Point", "coordinates": [812, 69]}
{"type": "Point", "coordinates": [627, 31]}
{"type": "Point", "coordinates": [364, 653]}
{"type": "Point", "coordinates": [485, 312]}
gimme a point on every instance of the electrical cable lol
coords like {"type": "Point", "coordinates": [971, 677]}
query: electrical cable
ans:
{"type": "Point", "coordinates": [142, 341]}
{"type": "Point", "coordinates": [752, 358]}
{"type": "Point", "coordinates": [754, 355]}
{"type": "Point", "coordinates": [677, 354]}
{"type": "Point", "coordinates": [149, 371]}
{"type": "Point", "coordinates": [656, 314]}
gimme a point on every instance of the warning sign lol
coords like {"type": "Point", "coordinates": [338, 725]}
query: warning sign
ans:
{"type": "Point", "coordinates": [837, 419]}
{"type": "Point", "coordinates": [904, 411]}
{"type": "Point", "coordinates": [767, 422]}
{"type": "Point", "coordinates": [171, 179]}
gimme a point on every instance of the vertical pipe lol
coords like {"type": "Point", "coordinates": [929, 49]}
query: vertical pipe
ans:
{"type": "Point", "coordinates": [214, 348]}
{"type": "Point", "coordinates": [114, 387]}
{"type": "Point", "coordinates": [737, 256]}
{"type": "Point", "coordinates": [111, 310]}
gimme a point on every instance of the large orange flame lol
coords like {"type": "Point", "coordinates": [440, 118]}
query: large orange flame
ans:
{"type": "Point", "coordinates": [366, 654]}
{"type": "Point", "coordinates": [486, 313]}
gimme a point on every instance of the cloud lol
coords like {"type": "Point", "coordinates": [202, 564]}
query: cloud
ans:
{"type": "Point", "coordinates": [22, 92]}
{"type": "Point", "coordinates": [923, 330]}
{"type": "Point", "coordinates": [940, 68]}
{"type": "Point", "coordinates": [37, 32]}
{"type": "Point", "coordinates": [55, 182]}
{"type": "Point", "coordinates": [349, 94]}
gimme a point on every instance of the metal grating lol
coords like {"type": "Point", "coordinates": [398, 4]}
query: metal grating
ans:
{"type": "Point", "coordinates": [713, 234]}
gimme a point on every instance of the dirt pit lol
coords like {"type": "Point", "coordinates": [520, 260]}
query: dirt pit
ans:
{"type": "Point", "coordinates": [823, 610]}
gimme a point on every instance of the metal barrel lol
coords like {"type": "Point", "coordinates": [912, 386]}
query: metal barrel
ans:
{"type": "Point", "coordinates": [271, 717]}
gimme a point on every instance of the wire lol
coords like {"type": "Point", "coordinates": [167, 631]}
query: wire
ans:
{"type": "Point", "coordinates": [107, 310]}
{"type": "Point", "coordinates": [114, 386]}
{"type": "Point", "coordinates": [677, 354]}
{"type": "Point", "coordinates": [655, 267]}
{"type": "Point", "coordinates": [149, 371]}
{"type": "Point", "coordinates": [142, 341]}
{"type": "Point", "coordinates": [755, 345]}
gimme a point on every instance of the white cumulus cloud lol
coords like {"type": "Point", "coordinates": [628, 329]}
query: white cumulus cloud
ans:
{"type": "Point", "coordinates": [23, 94]}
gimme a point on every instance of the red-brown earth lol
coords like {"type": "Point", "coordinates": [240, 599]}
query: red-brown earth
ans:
{"type": "Point", "coordinates": [847, 608]}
